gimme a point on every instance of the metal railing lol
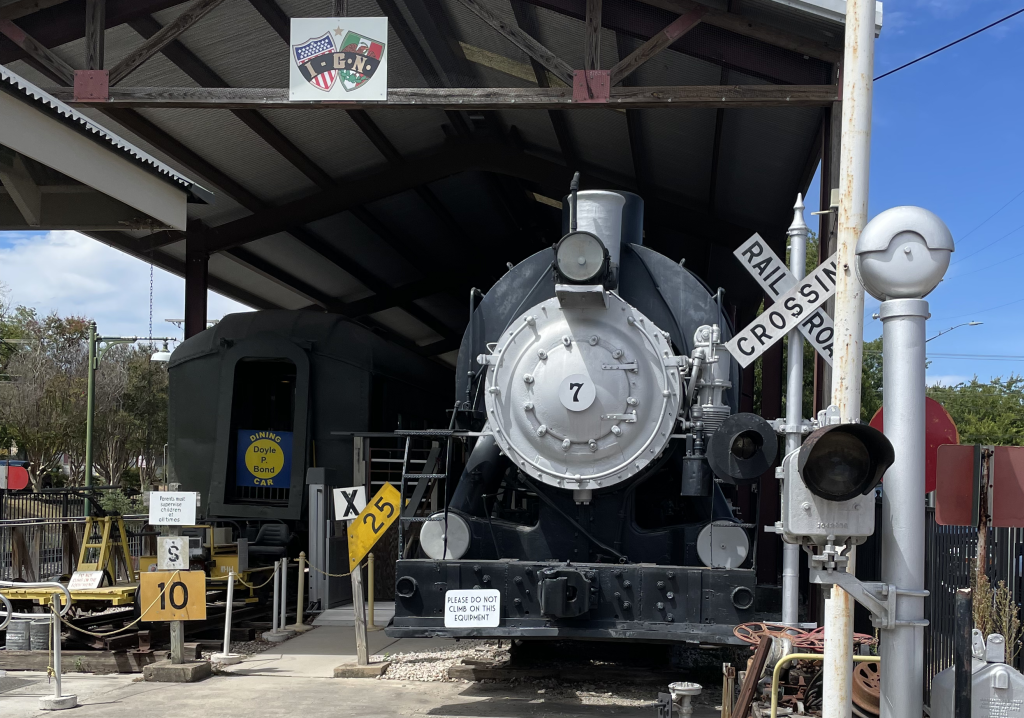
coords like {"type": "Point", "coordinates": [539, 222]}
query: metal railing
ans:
{"type": "Point", "coordinates": [950, 553]}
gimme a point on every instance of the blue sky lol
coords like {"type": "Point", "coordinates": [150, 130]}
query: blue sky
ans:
{"type": "Point", "coordinates": [947, 136]}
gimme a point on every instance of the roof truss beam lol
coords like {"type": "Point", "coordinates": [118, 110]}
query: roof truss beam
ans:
{"type": "Point", "coordinates": [592, 36]}
{"type": "Point", "coordinates": [38, 52]}
{"type": "Point", "coordinates": [557, 66]}
{"type": "Point", "coordinates": [675, 30]}
{"type": "Point", "coordinates": [20, 186]}
{"type": "Point", "coordinates": [167, 34]}
{"type": "Point", "coordinates": [95, 33]}
{"type": "Point", "coordinates": [471, 98]}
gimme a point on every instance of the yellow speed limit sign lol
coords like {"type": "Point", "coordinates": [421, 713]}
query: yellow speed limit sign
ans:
{"type": "Point", "coordinates": [370, 525]}
{"type": "Point", "coordinates": [173, 596]}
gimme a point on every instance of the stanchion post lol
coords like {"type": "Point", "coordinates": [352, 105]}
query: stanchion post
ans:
{"type": "Point", "coordinates": [226, 657]}
{"type": "Point", "coordinates": [277, 599]}
{"type": "Point", "coordinates": [300, 600]}
{"type": "Point", "coordinates": [278, 632]}
{"type": "Point", "coordinates": [284, 594]}
{"type": "Point", "coordinates": [370, 625]}
{"type": "Point", "coordinates": [57, 701]}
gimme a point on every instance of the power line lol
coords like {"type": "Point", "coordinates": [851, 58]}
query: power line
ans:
{"type": "Point", "coordinates": [982, 311]}
{"type": "Point", "coordinates": [991, 216]}
{"type": "Point", "coordinates": [994, 241]}
{"type": "Point", "coordinates": [946, 47]}
{"type": "Point", "coordinates": [1004, 260]}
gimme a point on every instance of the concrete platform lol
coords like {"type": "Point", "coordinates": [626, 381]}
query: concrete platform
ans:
{"type": "Point", "coordinates": [317, 653]}
{"type": "Point", "coordinates": [118, 696]}
{"type": "Point", "coordinates": [383, 611]}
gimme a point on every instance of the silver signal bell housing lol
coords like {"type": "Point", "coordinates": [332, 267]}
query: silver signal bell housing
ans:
{"type": "Point", "coordinates": [903, 253]}
{"type": "Point", "coordinates": [582, 391]}
{"type": "Point", "coordinates": [828, 490]}
{"type": "Point", "coordinates": [581, 258]}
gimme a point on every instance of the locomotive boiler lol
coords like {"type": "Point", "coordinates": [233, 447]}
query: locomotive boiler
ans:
{"type": "Point", "coordinates": [596, 501]}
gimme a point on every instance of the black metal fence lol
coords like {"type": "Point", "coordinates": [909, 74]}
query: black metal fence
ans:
{"type": "Point", "coordinates": [950, 553]}
{"type": "Point", "coordinates": [40, 534]}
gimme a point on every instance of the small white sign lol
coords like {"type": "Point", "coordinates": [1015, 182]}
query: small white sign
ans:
{"type": "Point", "coordinates": [349, 502]}
{"type": "Point", "coordinates": [775, 278]}
{"type": "Point", "coordinates": [338, 58]}
{"type": "Point", "coordinates": [473, 608]}
{"type": "Point", "coordinates": [786, 313]}
{"type": "Point", "coordinates": [172, 553]}
{"type": "Point", "coordinates": [577, 392]}
{"type": "Point", "coordinates": [85, 580]}
{"type": "Point", "coordinates": [172, 508]}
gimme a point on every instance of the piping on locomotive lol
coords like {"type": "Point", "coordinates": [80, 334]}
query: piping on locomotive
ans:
{"type": "Point", "coordinates": [604, 404]}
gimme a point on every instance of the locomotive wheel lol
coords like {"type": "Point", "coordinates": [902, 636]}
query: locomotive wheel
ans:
{"type": "Point", "coordinates": [866, 687]}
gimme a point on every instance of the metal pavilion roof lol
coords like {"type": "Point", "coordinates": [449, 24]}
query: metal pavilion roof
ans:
{"type": "Point", "coordinates": [389, 214]}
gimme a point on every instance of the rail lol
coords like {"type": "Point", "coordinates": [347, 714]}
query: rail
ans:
{"type": "Point", "coordinates": [38, 584]}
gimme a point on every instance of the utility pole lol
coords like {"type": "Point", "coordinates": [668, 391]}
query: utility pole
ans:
{"type": "Point", "coordinates": [855, 157]}
{"type": "Point", "coordinates": [794, 411]}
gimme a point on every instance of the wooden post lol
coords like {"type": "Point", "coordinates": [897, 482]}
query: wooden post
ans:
{"type": "Point", "coordinates": [196, 283]}
{"type": "Point", "coordinates": [177, 627]}
{"type": "Point", "coordinates": [95, 26]}
{"type": "Point", "coordinates": [359, 612]}
{"type": "Point", "coordinates": [592, 49]}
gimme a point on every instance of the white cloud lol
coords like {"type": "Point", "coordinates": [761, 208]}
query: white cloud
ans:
{"type": "Point", "coordinates": [71, 274]}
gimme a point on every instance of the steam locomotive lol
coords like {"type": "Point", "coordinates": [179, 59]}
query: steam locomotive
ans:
{"type": "Point", "coordinates": [594, 503]}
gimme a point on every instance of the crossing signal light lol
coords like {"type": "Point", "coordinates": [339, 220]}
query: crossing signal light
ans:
{"type": "Point", "coordinates": [829, 482]}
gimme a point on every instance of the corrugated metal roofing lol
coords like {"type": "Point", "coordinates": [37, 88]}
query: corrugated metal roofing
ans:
{"type": "Point", "coordinates": [16, 84]}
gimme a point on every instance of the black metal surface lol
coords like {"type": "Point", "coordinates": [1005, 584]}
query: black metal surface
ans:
{"type": "Point", "coordinates": [743, 448]}
{"type": "Point", "coordinates": [641, 602]}
{"type": "Point", "coordinates": [347, 379]}
{"type": "Point", "coordinates": [963, 658]}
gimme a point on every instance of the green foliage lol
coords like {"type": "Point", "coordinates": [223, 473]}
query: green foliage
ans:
{"type": "Point", "coordinates": [117, 502]}
{"type": "Point", "coordinates": [991, 413]}
{"type": "Point", "coordinates": [871, 380]}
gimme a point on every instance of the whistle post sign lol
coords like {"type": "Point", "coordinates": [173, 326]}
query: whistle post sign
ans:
{"type": "Point", "coordinates": [264, 459]}
{"type": "Point", "coordinates": [338, 58]}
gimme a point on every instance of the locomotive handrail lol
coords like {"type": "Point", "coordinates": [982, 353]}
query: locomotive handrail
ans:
{"type": "Point", "coordinates": [38, 584]}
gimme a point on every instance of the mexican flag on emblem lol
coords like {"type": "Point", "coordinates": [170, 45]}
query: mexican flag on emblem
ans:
{"type": "Point", "coordinates": [362, 45]}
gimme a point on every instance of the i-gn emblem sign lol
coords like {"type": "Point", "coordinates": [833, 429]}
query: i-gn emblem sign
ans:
{"type": "Point", "coordinates": [339, 53]}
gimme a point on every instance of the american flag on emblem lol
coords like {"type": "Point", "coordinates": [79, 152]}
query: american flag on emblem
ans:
{"type": "Point", "coordinates": [319, 46]}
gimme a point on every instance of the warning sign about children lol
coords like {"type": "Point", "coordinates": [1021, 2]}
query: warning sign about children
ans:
{"type": "Point", "coordinates": [474, 608]}
{"type": "Point", "coordinates": [264, 459]}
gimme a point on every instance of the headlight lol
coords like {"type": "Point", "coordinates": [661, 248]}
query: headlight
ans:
{"type": "Point", "coordinates": [581, 258]}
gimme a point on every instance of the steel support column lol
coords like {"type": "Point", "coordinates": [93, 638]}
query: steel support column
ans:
{"type": "Point", "coordinates": [196, 284]}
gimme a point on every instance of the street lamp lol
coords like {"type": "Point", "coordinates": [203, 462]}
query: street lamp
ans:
{"type": "Point", "coordinates": [946, 331]}
{"type": "Point", "coordinates": [96, 352]}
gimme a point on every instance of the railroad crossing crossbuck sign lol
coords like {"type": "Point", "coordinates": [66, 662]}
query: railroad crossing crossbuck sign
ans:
{"type": "Point", "coordinates": [792, 309]}
{"type": "Point", "coordinates": [371, 524]}
{"type": "Point", "coordinates": [775, 278]}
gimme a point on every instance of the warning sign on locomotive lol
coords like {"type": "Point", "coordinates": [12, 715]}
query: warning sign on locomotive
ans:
{"type": "Point", "coordinates": [264, 459]}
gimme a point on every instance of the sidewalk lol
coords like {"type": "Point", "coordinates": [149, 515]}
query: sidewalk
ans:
{"type": "Point", "coordinates": [316, 653]}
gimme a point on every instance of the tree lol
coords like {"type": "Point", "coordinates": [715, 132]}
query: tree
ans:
{"type": "Point", "coordinates": [985, 413]}
{"type": "Point", "coordinates": [871, 380]}
{"type": "Point", "coordinates": [42, 401]}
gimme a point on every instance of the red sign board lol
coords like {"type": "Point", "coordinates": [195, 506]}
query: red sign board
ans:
{"type": "Point", "coordinates": [956, 491]}
{"type": "Point", "coordinates": [939, 430]}
{"type": "Point", "coordinates": [1008, 486]}
{"type": "Point", "coordinates": [13, 477]}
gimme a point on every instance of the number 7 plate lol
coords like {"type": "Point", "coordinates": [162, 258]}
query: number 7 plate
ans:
{"type": "Point", "coordinates": [365, 530]}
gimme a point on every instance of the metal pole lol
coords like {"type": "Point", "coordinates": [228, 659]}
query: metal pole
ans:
{"type": "Point", "coordinates": [277, 598]}
{"type": "Point", "coordinates": [300, 600]}
{"type": "Point", "coordinates": [178, 627]}
{"type": "Point", "coordinates": [903, 514]}
{"type": "Point", "coordinates": [226, 657]}
{"type": "Point", "coordinates": [55, 625]}
{"type": "Point", "coordinates": [794, 411]}
{"type": "Point", "coordinates": [284, 594]}
{"type": "Point", "coordinates": [369, 592]}
{"type": "Point", "coordinates": [855, 155]}
{"type": "Point", "coordinates": [90, 405]}
{"type": "Point", "coordinates": [962, 655]}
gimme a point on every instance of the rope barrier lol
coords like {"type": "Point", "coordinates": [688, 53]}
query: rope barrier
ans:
{"type": "Point", "coordinates": [250, 586]}
{"type": "Point", "coordinates": [332, 575]}
{"type": "Point", "coordinates": [125, 628]}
